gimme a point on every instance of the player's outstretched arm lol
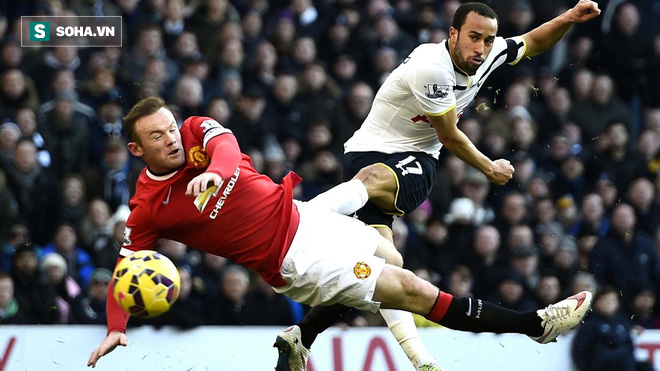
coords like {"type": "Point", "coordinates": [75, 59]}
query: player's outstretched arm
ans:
{"type": "Point", "coordinates": [108, 344]}
{"type": "Point", "coordinates": [498, 172]}
{"type": "Point", "coordinates": [548, 34]}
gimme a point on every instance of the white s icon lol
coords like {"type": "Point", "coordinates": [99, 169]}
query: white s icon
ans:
{"type": "Point", "coordinates": [39, 31]}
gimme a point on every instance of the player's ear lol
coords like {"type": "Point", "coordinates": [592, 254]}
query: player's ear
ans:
{"type": "Point", "coordinates": [453, 34]}
{"type": "Point", "coordinates": [135, 149]}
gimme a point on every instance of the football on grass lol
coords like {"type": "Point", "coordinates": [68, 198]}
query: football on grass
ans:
{"type": "Point", "coordinates": [146, 284]}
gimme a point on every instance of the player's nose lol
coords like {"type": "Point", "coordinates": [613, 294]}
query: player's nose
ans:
{"type": "Point", "coordinates": [479, 48]}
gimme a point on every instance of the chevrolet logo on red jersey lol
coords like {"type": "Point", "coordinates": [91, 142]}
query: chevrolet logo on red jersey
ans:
{"type": "Point", "coordinates": [204, 197]}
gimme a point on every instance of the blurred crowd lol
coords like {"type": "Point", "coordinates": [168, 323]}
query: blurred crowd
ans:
{"type": "Point", "coordinates": [293, 79]}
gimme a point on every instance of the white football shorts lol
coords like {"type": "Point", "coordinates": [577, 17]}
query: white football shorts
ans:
{"type": "Point", "coordinates": [331, 260]}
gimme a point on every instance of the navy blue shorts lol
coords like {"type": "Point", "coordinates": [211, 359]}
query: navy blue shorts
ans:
{"type": "Point", "coordinates": [415, 172]}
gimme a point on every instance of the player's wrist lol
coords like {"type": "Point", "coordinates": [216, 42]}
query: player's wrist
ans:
{"type": "Point", "coordinates": [570, 16]}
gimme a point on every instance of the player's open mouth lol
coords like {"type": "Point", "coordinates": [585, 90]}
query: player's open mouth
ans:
{"type": "Point", "coordinates": [476, 60]}
{"type": "Point", "coordinates": [174, 153]}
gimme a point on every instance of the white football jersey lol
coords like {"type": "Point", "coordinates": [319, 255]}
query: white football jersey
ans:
{"type": "Point", "coordinates": [426, 83]}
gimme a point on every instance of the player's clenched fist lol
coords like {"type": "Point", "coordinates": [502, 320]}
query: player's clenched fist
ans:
{"type": "Point", "coordinates": [199, 183]}
{"type": "Point", "coordinates": [502, 172]}
{"type": "Point", "coordinates": [584, 10]}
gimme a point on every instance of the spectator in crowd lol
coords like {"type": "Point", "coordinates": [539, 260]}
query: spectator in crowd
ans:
{"type": "Point", "coordinates": [34, 191]}
{"type": "Point", "coordinates": [89, 307]}
{"type": "Point", "coordinates": [650, 96]}
{"type": "Point", "coordinates": [566, 263]}
{"type": "Point", "coordinates": [486, 261]}
{"type": "Point", "coordinates": [35, 295]}
{"type": "Point", "coordinates": [592, 217]}
{"type": "Point", "coordinates": [106, 249]}
{"type": "Point", "coordinates": [207, 274]}
{"type": "Point", "coordinates": [56, 59]}
{"type": "Point", "coordinates": [95, 227]}
{"type": "Point", "coordinates": [11, 55]}
{"type": "Point", "coordinates": [174, 20]}
{"type": "Point", "coordinates": [108, 124]}
{"type": "Point", "coordinates": [603, 342]}
{"type": "Point", "coordinates": [66, 134]}
{"type": "Point", "coordinates": [460, 282]}
{"type": "Point", "coordinates": [548, 289]}
{"type": "Point", "coordinates": [73, 204]}
{"type": "Point", "coordinates": [208, 19]}
{"type": "Point", "coordinates": [524, 261]}
{"type": "Point", "coordinates": [66, 288]}
{"type": "Point", "coordinates": [513, 212]}
{"type": "Point", "coordinates": [626, 68]}
{"type": "Point", "coordinates": [247, 121]}
{"type": "Point", "coordinates": [187, 311]}
{"type": "Point", "coordinates": [615, 155]}
{"type": "Point", "coordinates": [228, 306]}
{"type": "Point", "coordinates": [27, 122]}
{"type": "Point", "coordinates": [265, 307]}
{"type": "Point", "coordinates": [283, 109]}
{"type": "Point", "coordinates": [355, 109]}
{"type": "Point", "coordinates": [320, 96]}
{"type": "Point", "coordinates": [9, 136]}
{"type": "Point", "coordinates": [178, 252]}
{"type": "Point", "coordinates": [149, 46]}
{"type": "Point", "coordinates": [642, 309]}
{"type": "Point", "coordinates": [11, 312]}
{"type": "Point", "coordinates": [510, 292]}
{"type": "Point", "coordinates": [626, 257]}
{"type": "Point", "coordinates": [608, 191]}
{"type": "Point", "coordinates": [8, 211]}
{"type": "Point", "coordinates": [475, 187]}
{"type": "Point", "coordinates": [640, 196]}
{"type": "Point", "coordinates": [548, 237]}
{"type": "Point", "coordinates": [648, 147]}
{"type": "Point", "coordinates": [584, 281]}
{"type": "Point", "coordinates": [17, 235]}
{"type": "Point", "coordinates": [16, 90]}
{"type": "Point", "coordinates": [602, 108]}
{"type": "Point", "coordinates": [79, 263]}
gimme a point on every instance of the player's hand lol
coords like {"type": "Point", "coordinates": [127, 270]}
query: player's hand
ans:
{"type": "Point", "coordinates": [199, 183]}
{"type": "Point", "coordinates": [107, 345]}
{"type": "Point", "coordinates": [584, 10]}
{"type": "Point", "coordinates": [501, 173]}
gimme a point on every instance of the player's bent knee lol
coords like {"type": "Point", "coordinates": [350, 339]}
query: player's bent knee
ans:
{"type": "Point", "coordinates": [378, 180]}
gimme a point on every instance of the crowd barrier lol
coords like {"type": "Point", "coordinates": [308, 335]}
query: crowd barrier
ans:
{"type": "Point", "coordinates": [41, 348]}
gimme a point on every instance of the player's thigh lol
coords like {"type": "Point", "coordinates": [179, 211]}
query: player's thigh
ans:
{"type": "Point", "coordinates": [387, 250]}
{"type": "Point", "coordinates": [332, 260]}
{"type": "Point", "coordinates": [413, 174]}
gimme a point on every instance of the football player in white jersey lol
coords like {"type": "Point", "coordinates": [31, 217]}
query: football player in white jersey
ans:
{"type": "Point", "coordinates": [392, 159]}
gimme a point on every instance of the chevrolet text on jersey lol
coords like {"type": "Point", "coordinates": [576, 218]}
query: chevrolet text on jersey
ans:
{"type": "Point", "coordinates": [225, 194]}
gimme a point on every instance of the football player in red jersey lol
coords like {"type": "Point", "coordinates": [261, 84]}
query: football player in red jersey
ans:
{"type": "Point", "coordinates": [199, 189]}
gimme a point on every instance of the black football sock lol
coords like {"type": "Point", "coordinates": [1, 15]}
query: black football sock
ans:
{"type": "Point", "coordinates": [476, 315]}
{"type": "Point", "coordinates": [318, 319]}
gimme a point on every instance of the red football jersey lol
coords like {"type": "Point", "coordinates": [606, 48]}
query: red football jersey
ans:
{"type": "Point", "coordinates": [248, 218]}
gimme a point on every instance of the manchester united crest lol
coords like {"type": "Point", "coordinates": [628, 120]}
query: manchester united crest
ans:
{"type": "Point", "coordinates": [362, 270]}
{"type": "Point", "coordinates": [197, 157]}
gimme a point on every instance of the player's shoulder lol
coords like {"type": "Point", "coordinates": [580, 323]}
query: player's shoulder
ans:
{"type": "Point", "coordinates": [432, 53]}
{"type": "Point", "coordinates": [204, 121]}
{"type": "Point", "coordinates": [500, 42]}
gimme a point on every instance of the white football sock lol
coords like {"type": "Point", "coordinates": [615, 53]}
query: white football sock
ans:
{"type": "Point", "coordinates": [345, 198]}
{"type": "Point", "coordinates": [402, 326]}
